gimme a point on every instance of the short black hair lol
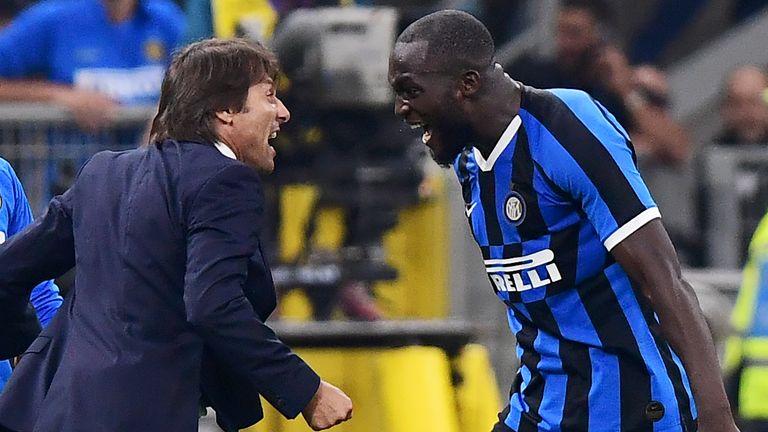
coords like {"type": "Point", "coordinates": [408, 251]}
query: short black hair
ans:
{"type": "Point", "coordinates": [597, 8]}
{"type": "Point", "coordinates": [455, 39]}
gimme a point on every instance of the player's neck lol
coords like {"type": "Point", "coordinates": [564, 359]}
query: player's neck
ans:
{"type": "Point", "coordinates": [499, 107]}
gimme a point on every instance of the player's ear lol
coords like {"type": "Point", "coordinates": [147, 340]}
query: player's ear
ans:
{"type": "Point", "coordinates": [225, 116]}
{"type": "Point", "coordinates": [469, 83]}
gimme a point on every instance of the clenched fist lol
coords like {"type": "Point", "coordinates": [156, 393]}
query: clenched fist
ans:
{"type": "Point", "coordinates": [329, 407]}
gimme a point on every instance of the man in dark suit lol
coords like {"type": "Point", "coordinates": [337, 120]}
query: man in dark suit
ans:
{"type": "Point", "coordinates": [172, 287]}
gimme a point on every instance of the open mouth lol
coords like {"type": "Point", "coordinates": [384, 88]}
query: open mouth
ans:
{"type": "Point", "coordinates": [273, 135]}
{"type": "Point", "coordinates": [427, 135]}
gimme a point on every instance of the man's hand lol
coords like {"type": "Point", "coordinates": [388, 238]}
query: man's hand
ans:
{"type": "Point", "coordinates": [329, 407]}
{"type": "Point", "coordinates": [92, 111]}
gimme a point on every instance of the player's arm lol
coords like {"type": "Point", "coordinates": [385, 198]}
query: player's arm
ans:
{"type": "Point", "coordinates": [594, 163]}
{"type": "Point", "coordinates": [222, 236]}
{"type": "Point", "coordinates": [648, 257]}
{"type": "Point", "coordinates": [43, 250]}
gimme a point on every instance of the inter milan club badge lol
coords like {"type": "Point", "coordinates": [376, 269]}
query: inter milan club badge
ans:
{"type": "Point", "coordinates": [514, 208]}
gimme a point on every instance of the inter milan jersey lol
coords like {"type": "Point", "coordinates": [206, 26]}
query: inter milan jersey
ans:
{"type": "Point", "coordinates": [559, 190]}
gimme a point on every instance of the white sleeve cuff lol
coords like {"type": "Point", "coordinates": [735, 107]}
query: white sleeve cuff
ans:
{"type": "Point", "coordinates": [633, 225]}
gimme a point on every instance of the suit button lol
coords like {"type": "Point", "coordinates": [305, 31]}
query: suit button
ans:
{"type": "Point", "coordinates": [654, 411]}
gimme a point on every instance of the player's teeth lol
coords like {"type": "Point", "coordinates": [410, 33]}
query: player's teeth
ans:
{"type": "Point", "coordinates": [416, 126]}
{"type": "Point", "coordinates": [425, 138]}
{"type": "Point", "coordinates": [273, 135]}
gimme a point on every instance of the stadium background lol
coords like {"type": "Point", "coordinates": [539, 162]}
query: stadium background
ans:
{"type": "Point", "coordinates": [382, 288]}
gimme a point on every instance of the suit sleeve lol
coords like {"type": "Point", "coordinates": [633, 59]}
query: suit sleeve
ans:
{"type": "Point", "coordinates": [222, 234]}
{"type": "Point", "coordinates": [43, 250]}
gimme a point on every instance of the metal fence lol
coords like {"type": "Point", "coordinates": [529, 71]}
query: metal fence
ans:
{"type": "Point", "coordinates": [46, 148]}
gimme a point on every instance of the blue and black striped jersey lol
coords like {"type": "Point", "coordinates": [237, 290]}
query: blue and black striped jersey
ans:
{"type": "Point", "coordinates": [557, 193]}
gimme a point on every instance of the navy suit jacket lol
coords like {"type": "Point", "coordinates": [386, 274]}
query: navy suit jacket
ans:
{"type": "Point", "coordinates": [172, 290]}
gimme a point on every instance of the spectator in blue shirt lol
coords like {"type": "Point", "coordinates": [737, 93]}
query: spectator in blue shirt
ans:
{"type": "Point", "coordinates": [89, 55]}
{"type": "Point", "coordinates": [14, 216]}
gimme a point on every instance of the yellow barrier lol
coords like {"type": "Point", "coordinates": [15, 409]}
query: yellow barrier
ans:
{"type": "Point", "coordinates": [416, 390]}
{"type": "Point", "coordinates": [402, 390]}
{"type": "Point", "coordinates": [477, 394]}
{"type": "Point", "coordinates": [419, 248]}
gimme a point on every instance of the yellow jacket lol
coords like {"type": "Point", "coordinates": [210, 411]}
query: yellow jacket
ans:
{"type": "Point", "coordinates": [746, 351]}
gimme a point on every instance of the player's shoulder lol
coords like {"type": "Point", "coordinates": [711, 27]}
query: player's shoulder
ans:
{"type": "Point", "coordinates": [5, 166]}
{"type": "Point", "coordinates": [576, 100]}
{"type": "Point", "coordinates": [554, 109]}
{"type": "Point", "coordinates": [9, 185]}
{"type": "Point", "coordinates": [566, 108]}
{"type": "Point", "coordinates": [7, 174]}
{"type": "Point", "coordinates": [543, 102]}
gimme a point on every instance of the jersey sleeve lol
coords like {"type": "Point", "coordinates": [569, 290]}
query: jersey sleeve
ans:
{"type": "Point", "coordinates": [588, 155]}
{"type": "Point", "coordinates": [24, 43]}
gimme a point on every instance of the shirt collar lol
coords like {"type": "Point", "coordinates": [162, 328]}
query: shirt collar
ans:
{"type": "Point", "coordinates": [225, 150]}
{"type": "Point", "coordinates": [501, 145]}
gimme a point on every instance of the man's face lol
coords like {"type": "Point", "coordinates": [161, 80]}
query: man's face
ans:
{"type": "Point", "coordinates": [744, 110]}
{"type": "Point", "coordinates": [255, 125]}
{"type": "Point", "coordinates": [426, 98]}
{"type": "Point", "coordinates": [577, 37]}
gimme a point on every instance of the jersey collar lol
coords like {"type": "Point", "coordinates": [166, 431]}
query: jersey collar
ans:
{"type": "Point", "coordinates": [501, 145]}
